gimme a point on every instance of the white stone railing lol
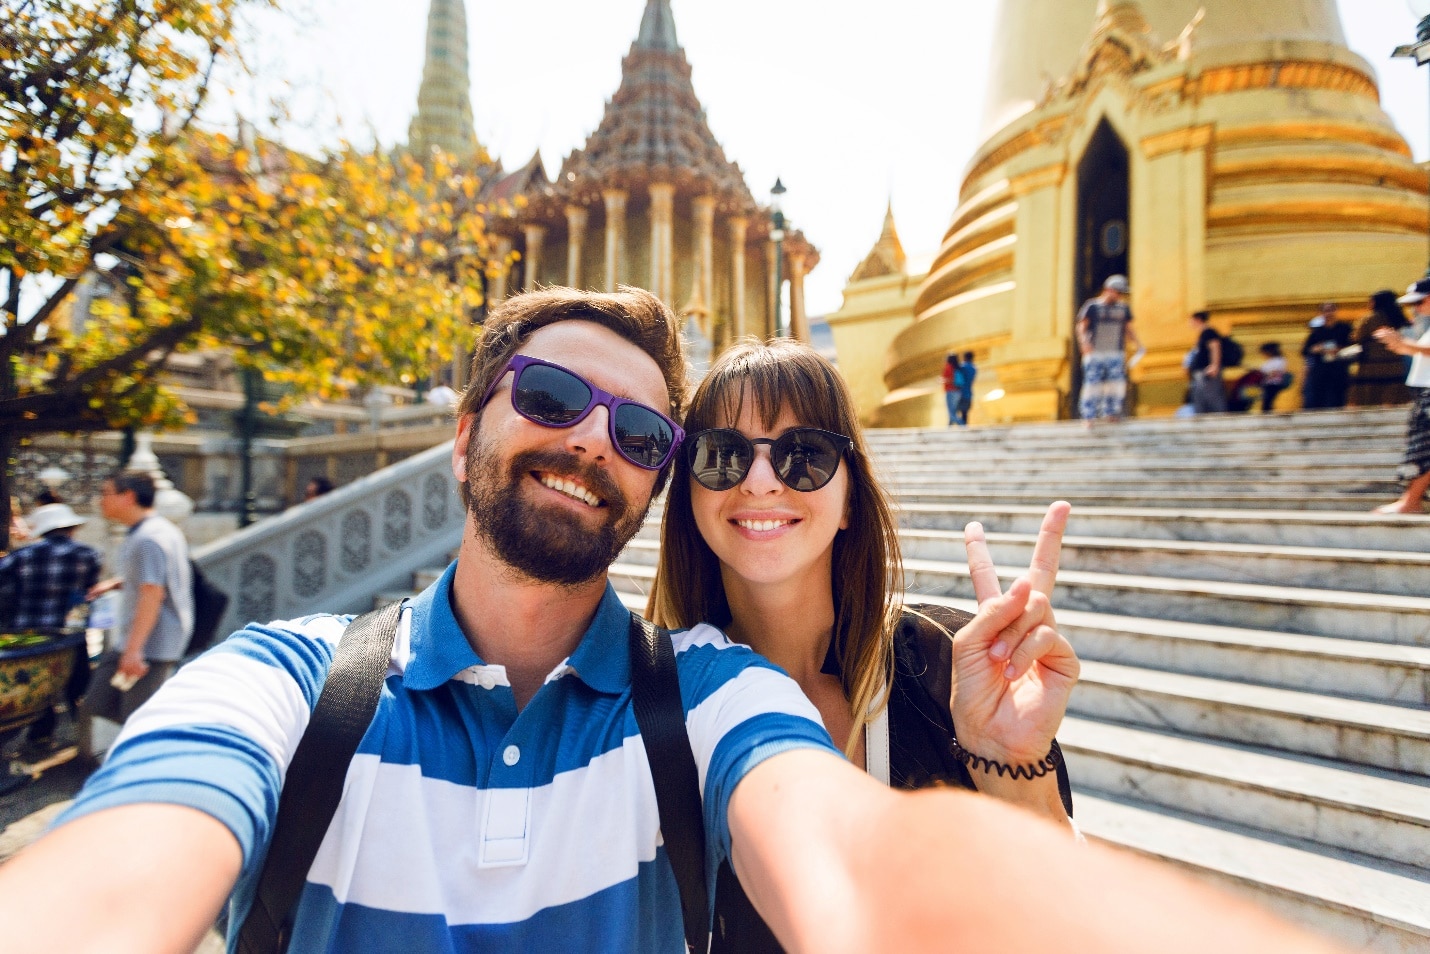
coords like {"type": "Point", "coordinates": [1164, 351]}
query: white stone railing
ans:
{"type": "Point", "coordinates": [334, 554]}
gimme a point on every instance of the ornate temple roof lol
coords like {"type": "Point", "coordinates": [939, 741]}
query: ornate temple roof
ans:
{"type": "Point", "coordinates": [887, 256]}
{"type": "Point", "coordinates": [444, 103]}
{"type": "Point", "coordinates": [654, 128]}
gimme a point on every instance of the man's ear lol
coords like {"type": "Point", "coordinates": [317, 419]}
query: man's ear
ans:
{"type": "Point", "coordinates": [466, 430]}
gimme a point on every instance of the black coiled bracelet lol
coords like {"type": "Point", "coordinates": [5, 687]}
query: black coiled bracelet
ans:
{"type": "Point", "coordinates": [1038, 769]}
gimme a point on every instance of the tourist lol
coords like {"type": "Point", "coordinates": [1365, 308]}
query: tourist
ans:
{"type": "Point", "coordinates": [753, 541]}
{"type": "Point", "coordinates": [443, 395]}
{"type": "Point", "coordinates": [952, 393]}
{"type": "Point", "coordinates": [318, 486]}
{"type": "Point", "coordinates": [1416, 469]}
{"type": "Point", "coordinates": [156, 607]}
{"type": "Point", "coordinates": [1208, 391]}
{"type": "Point", "coordinates": [503, 799]}
{"type": "Point", "coordinates": [1380, 372]}
{"type": "Point", "coordinates": [1327, 375]}
{"type": "Point", "coordinates": [39, 586]}
{"type": "Point", "coordinates": [1104, 330]}
{"type": "Point", "coordinates": [1275, 375]}
{"type": "Point", "coordinates": [968, 373]}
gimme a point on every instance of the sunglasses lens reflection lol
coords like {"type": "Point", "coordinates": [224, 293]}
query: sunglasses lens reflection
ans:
{"type": "Point", "coordinates": [550, 395]}
{"type": "Point", "coordinates": [720, 459]}
{"type": "Point", "coordinates": [642, 435]}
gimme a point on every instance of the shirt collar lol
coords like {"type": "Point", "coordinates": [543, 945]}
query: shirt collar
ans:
{"type": "Point", "coordinates": [440, 649]}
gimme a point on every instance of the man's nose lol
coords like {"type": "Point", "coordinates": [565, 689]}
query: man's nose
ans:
{"type": "Point", "coordinates": [591, 436]}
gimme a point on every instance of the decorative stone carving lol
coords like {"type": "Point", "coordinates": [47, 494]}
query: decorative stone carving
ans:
{"type": "Point", "coordinates": [397, 520]}
{"type": "Point", "coordinates": [257, 589]}
{"type": "Point", "coordinates": [310, 563]}
{"type": "Point", "coordinates": [434, 501]}
{"type": "Point", "coordinates": [356, 541]}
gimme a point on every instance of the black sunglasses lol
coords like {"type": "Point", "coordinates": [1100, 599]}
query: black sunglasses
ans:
{"type": "Point", "coordinates": [804, 458]}
{"type": "Point", "coordinates": [553, 396]}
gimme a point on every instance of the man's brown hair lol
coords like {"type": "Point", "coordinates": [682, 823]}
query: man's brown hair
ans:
{"type": "Point", "coordinates": [633, 313]}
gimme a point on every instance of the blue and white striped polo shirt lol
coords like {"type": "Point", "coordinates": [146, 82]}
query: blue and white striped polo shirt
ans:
{"type": "Point", "coordinates": [464, 825]}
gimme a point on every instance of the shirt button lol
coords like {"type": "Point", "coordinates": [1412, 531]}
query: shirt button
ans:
{"type": "Point", "coordinates": [512, 755]}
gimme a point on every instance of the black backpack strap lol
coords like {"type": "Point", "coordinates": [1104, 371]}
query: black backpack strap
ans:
{"type": "Point", "coordinates": [655, 691]}
{"type": "Point", "coordinates": [313, 785]}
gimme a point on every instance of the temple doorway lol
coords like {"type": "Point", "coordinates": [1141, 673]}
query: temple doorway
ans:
{"type": "Point", "coordinates": [1103, 237]}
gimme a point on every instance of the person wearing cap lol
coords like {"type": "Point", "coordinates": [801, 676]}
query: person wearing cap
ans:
{"type": "Point", "coordinates": [39, 584]}
{"type": "Point", "coordinates": [1416, 468]}
{"type": "Point", "coordinates": [1328, 378]}
{"type": "Point", "coordinates": [1104, 329]}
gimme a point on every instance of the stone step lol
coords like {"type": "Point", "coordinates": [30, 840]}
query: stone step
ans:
{"type": "Point", "coordinates": [1345, 530]}
{"type": "Point", "coordinates": [1244, 498]}
{"type": "Point", "coordinates": [1345, 730]}
{"type": "Point", "coordinates": [1204, 429]}
{"type": "Point", "coordinates": [1366, 571]}
{"type": "Point", "coordinates": [1352, 668]}
{"type": "Point", "coordinates": [1246, 446]}
{"type": "Point", "coordinates": [1384, 816]}
{"type": "Point", "coordinates": [1312, 612]}
{"type": "Point", "coordinates": [1371, 491]}
{"type": "Point", "coordinates": [1157, 463]}
{"type": "Point", "coordinates": [1363, 905]}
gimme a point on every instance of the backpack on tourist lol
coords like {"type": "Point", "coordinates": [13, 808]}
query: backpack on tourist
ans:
{"type": "Point", "coordinates": [1232, 353]}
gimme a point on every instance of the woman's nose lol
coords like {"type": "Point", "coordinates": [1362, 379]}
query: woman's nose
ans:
{"type": "Point", "coordinates": [761, 478]}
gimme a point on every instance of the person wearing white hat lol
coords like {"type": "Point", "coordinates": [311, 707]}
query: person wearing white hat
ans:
{"type": "Point", "coordinates": [1416, 468]}
{"type": "Point", "coordinates": [1104, 329]}
{"type": "Point", "coordinates": [39, 584]}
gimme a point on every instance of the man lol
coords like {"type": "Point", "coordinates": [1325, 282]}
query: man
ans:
{"type": "Point", "coordinates": [1208, 391]}
{"type": "Point", "coordinates": [1414, 343]}
{"type": "Point", "coordinates": [156, 609]}
{"type": "Point", "coordinates": [968, 373]}
{"type": "Point", "coordinates": [502, 800]}
{"type": "Point", "coordinates": [1104, 329]}
{"type": "Point", "coordinates": [39, 585]}
{"type": "Point", "coordinates": [1327, 377]}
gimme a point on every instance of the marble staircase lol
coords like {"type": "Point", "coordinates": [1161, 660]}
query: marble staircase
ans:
{"type": "Point", "coordinates": [1255, 700]}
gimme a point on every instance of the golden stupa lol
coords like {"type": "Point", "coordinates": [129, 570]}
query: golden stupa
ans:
{"type": "Point", "coordinates": [1226, 155]}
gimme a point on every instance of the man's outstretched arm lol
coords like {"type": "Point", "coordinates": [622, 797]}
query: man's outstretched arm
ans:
{"type": "Point", "coordinates": [834, 861]}
{"type": "Point", "coordinates": [138, 879]}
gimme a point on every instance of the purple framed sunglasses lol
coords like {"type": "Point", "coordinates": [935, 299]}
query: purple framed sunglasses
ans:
{"type": "Point", "coordinates": [553, 396]}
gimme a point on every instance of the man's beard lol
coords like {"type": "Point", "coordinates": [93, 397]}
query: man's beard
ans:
{"type": "Point", "coordinates": [546, 544]}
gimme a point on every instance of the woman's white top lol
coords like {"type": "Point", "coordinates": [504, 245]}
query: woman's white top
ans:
{"type": "Point", "coordinates": [1419, 376]}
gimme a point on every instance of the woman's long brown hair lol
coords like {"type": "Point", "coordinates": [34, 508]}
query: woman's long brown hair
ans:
{"type": "Point", "coordinates": [867, 579]}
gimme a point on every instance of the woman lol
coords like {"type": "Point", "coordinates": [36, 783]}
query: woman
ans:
{"type": "Point", "coordinates": [776, 530]}
{"type": "Point", "coordinates": [952, 392]}
{"type": "Point", "coordinates": [1416, 468]}
{"type": "Point", "coordinates": [1380, 373]}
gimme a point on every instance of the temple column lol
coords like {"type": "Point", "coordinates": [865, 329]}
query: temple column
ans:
{"type": "Point", "coordinates": [615, 235]}
{"type": "Point", "coordinates": [575, 244]}
{"type": "Point", "coordinates": [496, 283]}
{"type": "Point", "coordinates": [772, 320]}
{"type": "Point", "coordinates": [738, 225]}
{"type": "Point", "coordinates": [535, 235]}
{"type": "Point", "coordinates": [798, 320]}
{"type": "Point", "coordinates": [703, 294]}
{"type": "Point", "coordinates": [662, 241]}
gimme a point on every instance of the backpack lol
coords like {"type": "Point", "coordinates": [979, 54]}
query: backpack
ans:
{"type": "Point", "coordinates": [210, 603]}
{"type": "Point", "coordinates": [1232, 353]}
{"type": "Point", "coordinates": [313, 785]}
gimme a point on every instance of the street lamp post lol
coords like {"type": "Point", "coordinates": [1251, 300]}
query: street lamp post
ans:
{"type": "Point", "coordinates": [1420, 50]}
{"type": "Point", "coordinates": [247, 430]}
{"type": "Point", "coordinates": [777, 235]}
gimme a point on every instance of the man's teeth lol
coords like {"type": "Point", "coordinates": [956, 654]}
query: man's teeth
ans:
{"type": "Point", "coordinates": [760, 525]}
{"type": "Point", "coordinates": [572, 489]}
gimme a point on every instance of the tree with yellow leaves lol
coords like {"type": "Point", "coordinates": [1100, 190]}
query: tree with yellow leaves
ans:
{"type": "Point", "coordinates": [326, 273]}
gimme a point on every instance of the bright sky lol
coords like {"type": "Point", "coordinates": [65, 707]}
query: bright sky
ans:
{"type": "Point", "coordinates": [850, 103]}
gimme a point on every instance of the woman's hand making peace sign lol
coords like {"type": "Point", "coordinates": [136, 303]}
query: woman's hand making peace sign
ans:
{"type": "Point", "coordinates": [1012, 670]}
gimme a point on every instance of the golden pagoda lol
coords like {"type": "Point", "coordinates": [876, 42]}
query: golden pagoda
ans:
{"type": "Point", "coordinates": [1225, 155]}
{"type": "Point", "coordinates": [650, 200]}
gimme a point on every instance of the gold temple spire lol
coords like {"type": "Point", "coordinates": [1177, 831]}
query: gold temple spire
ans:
{"type": "Point", "coordinates": [657, 28]}
{"type": "Point", "coordinates": [444, 104]}
{"type": "Point", "coordinates": [887, 256]}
